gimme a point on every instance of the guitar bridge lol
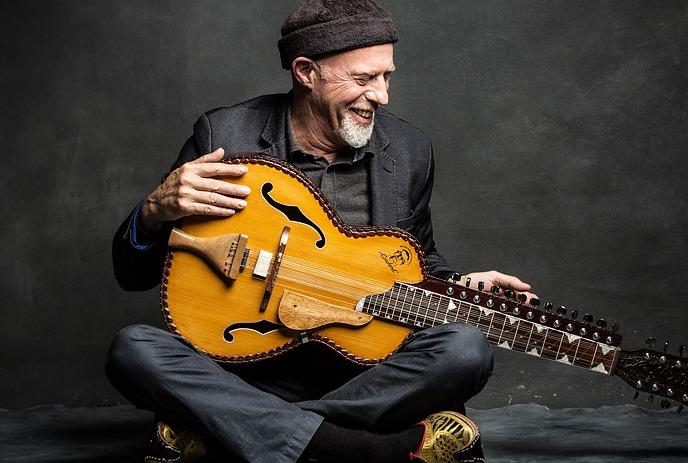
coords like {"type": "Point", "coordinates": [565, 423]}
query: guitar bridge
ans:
{"type": "Point", "coordinates": [224, 253]}
{"type": "Point", "coordinates": [271, 275]}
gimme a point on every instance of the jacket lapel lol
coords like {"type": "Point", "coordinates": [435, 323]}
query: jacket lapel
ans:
{"type": "Point", "coordinates": [383, 195]}
{"type": "Point", "coordinates": [274, 130]}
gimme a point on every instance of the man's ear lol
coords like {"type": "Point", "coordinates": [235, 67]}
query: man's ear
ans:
{"type": "Point", "coordinates": [304, 71]}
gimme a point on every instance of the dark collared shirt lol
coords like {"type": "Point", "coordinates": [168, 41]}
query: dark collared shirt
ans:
{"type": "Point", "coordinates": [344, 182]}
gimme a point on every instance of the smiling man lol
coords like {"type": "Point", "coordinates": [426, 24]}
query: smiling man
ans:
{"type": "Point", "coordinates": [375, 169]}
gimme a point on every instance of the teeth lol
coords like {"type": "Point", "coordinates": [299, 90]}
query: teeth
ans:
{"type": "Point", "coordinates": [363, 112]}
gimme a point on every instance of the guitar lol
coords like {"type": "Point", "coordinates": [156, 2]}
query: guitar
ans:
{"type": "Point", "coordinates": [286, 270]}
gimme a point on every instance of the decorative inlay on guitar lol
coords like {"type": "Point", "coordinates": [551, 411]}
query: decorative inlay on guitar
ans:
{"type": "Point", "coordinates": [286, 270]}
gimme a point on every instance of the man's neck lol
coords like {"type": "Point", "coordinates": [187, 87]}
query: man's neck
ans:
{"type": "Point", "coordinates": [308, 132]}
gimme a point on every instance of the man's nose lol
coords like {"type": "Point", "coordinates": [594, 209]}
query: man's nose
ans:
{"type": "Point", "coordinates": [378, 91]}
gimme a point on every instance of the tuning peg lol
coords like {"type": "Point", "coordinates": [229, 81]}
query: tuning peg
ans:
{"type": "Point", "coordinates": [561, 309]}
{"type": "Point", "coordinates": [468, 282]}
{"type": "Point", "coordinates": [650, 342]}
{"type": "Point", "coordinates": [602, 323]}
{"type": "Point", "coordinates": [574, 314]}
{"type": "Point", "coordinates": [615, 327]}
{"type": "Point", "coordinates": [522, 298]}
{"type": "Point", "coordinates": [495, 289]}
{"type": "Point", "coordinates": [454, 278]}
{"type": "Point", "coordinates": [588, 318]}
{"type": "Point", "coordinates": [651, 398]}
{"type": "Point", "coordinates": [548, 306]}
{"type": "Point", "coordinates": [666, 404]}
{"type": "Point", "coordinates": [681, 350]}
{"type": "Point", "coordinates": [481, 285]}
{"type": "Point", "coordinates": [666, 346]}
{"type": "Point", "coordinates": [534, 301]}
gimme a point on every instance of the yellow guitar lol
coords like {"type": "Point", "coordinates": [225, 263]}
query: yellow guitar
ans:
{"type": "Point", "coordinates": [286, 270]}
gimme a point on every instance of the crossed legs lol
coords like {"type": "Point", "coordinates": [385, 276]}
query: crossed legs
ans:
{"type": "Point", "coordinates": [436, 369]}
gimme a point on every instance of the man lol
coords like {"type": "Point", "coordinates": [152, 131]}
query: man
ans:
{"type": "Point", "coordinates": [376, 170]}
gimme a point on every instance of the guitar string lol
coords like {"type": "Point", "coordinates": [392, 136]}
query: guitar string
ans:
{"type": "Point", "coordinates": [325, 278]}
{"type": "Point", "coordinates": [560, 346]}
{"type": "Point", "coordinates": [486, 327]}
{"type": "Point", "coordinates": [563, 346]}
{"type": "Point", "coordinates": [335, 288]}
{"type": "Point", "coordinates": [320, 269]}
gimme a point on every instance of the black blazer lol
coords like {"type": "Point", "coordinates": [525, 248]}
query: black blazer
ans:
{"type": "Point", "coordinates": [401, 177]}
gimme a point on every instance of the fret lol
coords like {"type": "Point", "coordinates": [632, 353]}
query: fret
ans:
{"type": "Point", "coordinates": [376, 302]}
{"type": "Point", "coordinates": [417, 307]}
{"type": "Point", "coordinates": [518, 344]}
{"type": "Point", "coordinates": [427, 308]}
{"type": "Point", "coordinates": [403, 303]}
{"type": "Point", "coordinates": [428, 304]}
{"type": "Point", "coordinates": [568, 349]}
{"type": "Point", "coordinates": [368, 306]}
{"type": "Point", "coordinates": [575, 354]}
{"type": "Point", "coordinates": [586, 355]}
{"type": "Point", "coordinates": [435, 316]}
{"type": "Point", "coordinates": [551, 344]}
{"type": "Point", "coordinates": [561, 341]}
{"type": "Point", "coordinates": [451, 305]}
{"type": "Point", "coordinates": [432, 312]}
{"type": "Point", "coordinates": [394, 295]}
{"type": "Point", "coordinates": [410, 307]}
{"type": "Point", "coordinates": [507, 329]}
{"type": "Point", "coordinates": [441, 309]}
{"type": "Point", "coordinates": [537, 339]}
{"type": "Point", "coordinates": [530, 336]}
{"type": "Point", "coordinates": [490, 325]}
{"type": "Point", "coordinates": [403, 318]}
{"type": "Point", "coordinates": [608, 355]}
{"type": "Point", "coordinates": [386, 299]}
{"type": "Point", "coordinates": [468, 312]}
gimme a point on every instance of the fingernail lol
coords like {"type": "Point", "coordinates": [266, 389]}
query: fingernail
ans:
{"type": "Point", "coordinates": [241, 204]}
{"type": "Point", "coordinates": [245, 190]}
{"type": "Point", "coordinates": [243, 169]}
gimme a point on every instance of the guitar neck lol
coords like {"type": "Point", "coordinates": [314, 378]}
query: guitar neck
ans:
{"type": "Point", "coordinates": [505, 322]}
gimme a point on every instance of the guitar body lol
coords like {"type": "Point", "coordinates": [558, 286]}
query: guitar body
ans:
{"type": "Point", "coordinates": [324, 264]}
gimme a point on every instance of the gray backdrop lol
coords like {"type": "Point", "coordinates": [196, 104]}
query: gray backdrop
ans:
{"type": "Point", "coordinates": [559, 128]}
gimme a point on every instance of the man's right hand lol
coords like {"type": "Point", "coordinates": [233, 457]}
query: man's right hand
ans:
{"type": "Point", "coordinates": [192, 190]}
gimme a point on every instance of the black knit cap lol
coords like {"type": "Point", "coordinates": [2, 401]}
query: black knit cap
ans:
{"type": "Point", "coordinates": [320, 27]}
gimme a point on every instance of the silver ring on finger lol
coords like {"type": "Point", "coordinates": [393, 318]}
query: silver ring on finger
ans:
{"type": "Point", "coordinates": [212, 198]}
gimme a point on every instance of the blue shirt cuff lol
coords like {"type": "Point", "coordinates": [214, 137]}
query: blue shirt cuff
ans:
{"type": "Point", "coordinates": [138, 237]}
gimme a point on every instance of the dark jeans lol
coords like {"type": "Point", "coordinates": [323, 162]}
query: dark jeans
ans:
{"type": "Point", "coordinates": [260, 416]}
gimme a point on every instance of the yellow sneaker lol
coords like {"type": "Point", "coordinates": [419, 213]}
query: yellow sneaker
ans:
{"type": "Point", "coordinates": [449, 437]}
{"type": "Point", "coordinates": [170, 445]}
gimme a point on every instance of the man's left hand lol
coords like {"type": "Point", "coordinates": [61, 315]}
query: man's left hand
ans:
{"type": "Point", "coordinates": [502, 280]}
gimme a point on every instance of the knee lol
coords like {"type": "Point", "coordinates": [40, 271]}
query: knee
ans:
{"type": "Point", "coordinates": [129, 355]}
{"type": "Point", "coordinates": [463, 357]}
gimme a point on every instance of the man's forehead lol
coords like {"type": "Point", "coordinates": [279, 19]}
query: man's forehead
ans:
{"type": "Point", "coordinates": [369, 60]}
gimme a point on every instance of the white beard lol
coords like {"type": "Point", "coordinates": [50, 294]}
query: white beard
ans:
{"type": "Point", "coordinates": [355, 134]}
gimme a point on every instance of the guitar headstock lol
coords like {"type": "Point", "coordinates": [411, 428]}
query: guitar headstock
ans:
{"type": "Point", "coordinates": [654, 372]}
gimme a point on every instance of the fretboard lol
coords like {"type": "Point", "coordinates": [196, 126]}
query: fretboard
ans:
{"type": "Point", "coordinates": [420, 308]}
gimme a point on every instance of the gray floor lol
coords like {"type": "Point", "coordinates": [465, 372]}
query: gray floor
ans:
{"type": "Point", "coordinates": [519, 433]}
